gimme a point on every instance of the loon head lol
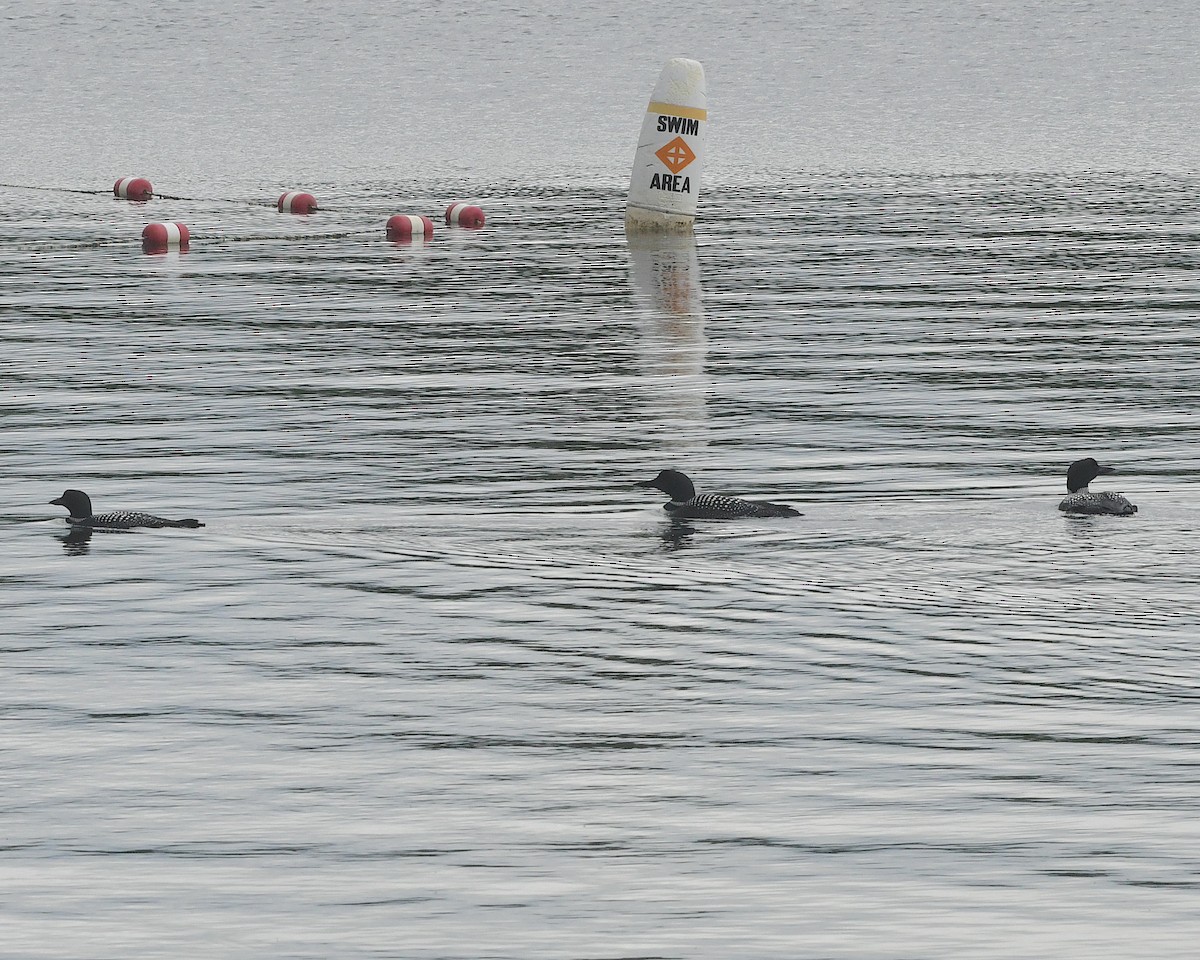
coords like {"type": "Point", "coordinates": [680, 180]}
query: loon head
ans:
{"type": "Point", "coordinates": [77, 502]}
{"type": "Point", "coordinates": [673, 483]}
{"type": "Point", "coordinates": [1083, 472]}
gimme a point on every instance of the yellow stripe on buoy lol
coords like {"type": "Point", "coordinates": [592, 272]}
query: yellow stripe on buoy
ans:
{"type": "Point", "coordinates": [675, 110]}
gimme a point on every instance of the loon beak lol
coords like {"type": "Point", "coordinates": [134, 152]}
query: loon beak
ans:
{"type": "Point", "coordinates": [56, 503]}
{"type": "Point", "coordinates": [1105, 469]}
{"type": "Point", "coordinates": [644, 483]}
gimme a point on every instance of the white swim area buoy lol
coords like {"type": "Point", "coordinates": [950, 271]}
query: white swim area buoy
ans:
{"type": "Point", "coordinates": [664, 185]}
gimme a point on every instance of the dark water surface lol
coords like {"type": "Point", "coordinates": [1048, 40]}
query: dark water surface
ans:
{"type": "Point", "coordinates": [435, 681]}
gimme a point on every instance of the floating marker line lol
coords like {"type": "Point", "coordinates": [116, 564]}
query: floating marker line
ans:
{"type": "Point", "coordinates": [292, 238]}
{"type": "Point", "coordinates": [59, 246]}
{"type": "Point", "coordinates": [269, 204]}
{"type": "Point", "coordinates": [249, 203]}
{"type": "Point", "coordinates": [156, 196]}
{"type": "Point", "coordinates": [26, 186]}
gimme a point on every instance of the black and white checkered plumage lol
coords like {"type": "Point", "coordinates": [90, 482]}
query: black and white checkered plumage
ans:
{"type": "Point", "coordinates": [1081, 500]}
{"type": "Point", "coordinates": [685, 504]}
{"type": "Point", "coordinates": [79, 508]}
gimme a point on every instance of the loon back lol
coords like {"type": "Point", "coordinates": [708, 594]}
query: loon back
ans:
{"type": "Point", "coordinates": [715, 506]}
{"type": "Point", "coordinates": [1096, 504]}
{"type": "Point", "coordinates": [128, 520]}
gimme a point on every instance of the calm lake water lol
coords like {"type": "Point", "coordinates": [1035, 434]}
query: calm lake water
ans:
{"type": "Point", "coordinates": [435, 680]}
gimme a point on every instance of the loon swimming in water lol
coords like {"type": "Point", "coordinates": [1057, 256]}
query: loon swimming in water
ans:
{"type": "Point", "coordinates": [710, 506]}
{"type": "Point", "coordinates": [79, 508]}
{"type": "Point", "coordinates": [1082, 500]}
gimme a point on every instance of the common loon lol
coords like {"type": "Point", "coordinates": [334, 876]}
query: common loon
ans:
{"type": "Point", "coordinates": [79, 508]}
{"type": "Point", "coordinates": [1082, 500]}
{"type": "Point", "coordinates": [710, 506]}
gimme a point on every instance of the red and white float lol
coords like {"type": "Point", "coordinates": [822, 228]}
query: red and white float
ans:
{"type": "Point", "coordinates": [161, 237]}
{"type": "Point", "coordinates": [295, 202]}
{"type": "Point", "coordinates": [133, 188]}
{"type": "Point", "coordinates": [464, 215]}
{"type": "Point", "coordinates": [404, 226]}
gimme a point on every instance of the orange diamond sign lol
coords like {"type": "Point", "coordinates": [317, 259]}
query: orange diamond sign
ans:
{"type": "Point", "coordinates": [675, 155]}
